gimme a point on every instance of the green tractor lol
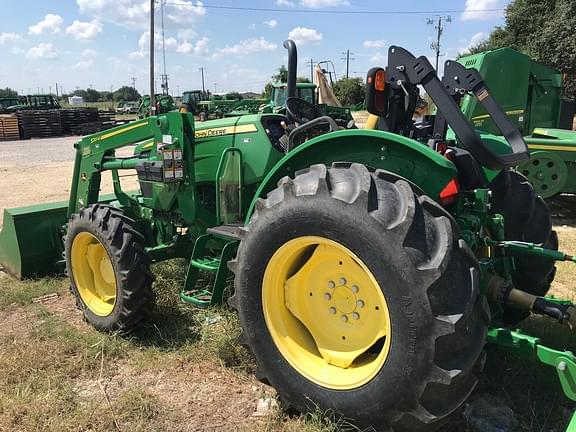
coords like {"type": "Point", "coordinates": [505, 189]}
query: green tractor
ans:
{"type": "Point", "coordinates": [35, 102]}
{"type": "Point", "coordinates": [307, 92]}
{"type": "Point", "coordinates": [531, 95]}
{"type": "Point", "coordinates": [370, 268]}
{"type": "Point", "coordinates": [191, 99]}
{"type": "Point", "coordinates": [6, 104]}
{"type": "Point", "coordinates": [164, 103]}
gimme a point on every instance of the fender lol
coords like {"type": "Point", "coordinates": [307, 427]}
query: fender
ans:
{"type": "Point", "coordinates": [402, 156]}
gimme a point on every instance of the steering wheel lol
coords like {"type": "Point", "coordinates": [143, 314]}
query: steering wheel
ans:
{"type": "Point", "coordinates": [301, 111]}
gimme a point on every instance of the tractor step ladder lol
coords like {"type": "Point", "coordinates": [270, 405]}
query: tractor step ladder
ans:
{"type": "Point", "coordinates": [202, 260]}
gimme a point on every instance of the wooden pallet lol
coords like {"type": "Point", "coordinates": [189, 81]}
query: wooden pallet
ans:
{"type": "Point", "coordinates": [40, 123]}
{"type": "Point", "coordinates": [9, 130]}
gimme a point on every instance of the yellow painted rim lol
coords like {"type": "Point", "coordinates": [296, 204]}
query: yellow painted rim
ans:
{"type": "Point", "coordinates": [326, 313]}
{"type": "Point", "coordinates": [93, 274]}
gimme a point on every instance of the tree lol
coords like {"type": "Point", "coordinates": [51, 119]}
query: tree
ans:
{"type": "Point", "coordinates": [126, 93]}
{"type": "Point", "coordinates": [350, 91]}
{"type": "Point", "coordinates": [8, 92]}
{"type": "Point", "coordinates": [92, 95]}
{"type": "Point", "coordinates": [542, 29]}
{"type": "Point", "coordinates": [234, 95]}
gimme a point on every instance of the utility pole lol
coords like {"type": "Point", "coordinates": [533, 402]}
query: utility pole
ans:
{"type": "Point", "coordinates": [133, 79]}
{"type": "Point", "coordinates": [164, 75]}
{"type": "Point", "coordinates": [348, 58]}
{"type": "Point", "coordinates": [437, 22]}
{"type": "Point", "coordinates": [56, 90]}
{"type": "Point", "coordinates": [202, 69]}
{"type": "Point", "coordinates": [215, 88]}
{"type": "Point", "coordinates": [311, 64]}
{"type": "Point", "coordinates": [152, 96]}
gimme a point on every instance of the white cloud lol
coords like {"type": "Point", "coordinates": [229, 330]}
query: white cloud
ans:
{"type": "Point", "coordinates": [42, 51]}
{"type": "Point", "coordinates": [50, 24]}
{"type": "Point", "coordinates": [172, 45]}
{"type": "Point", "coordinates": [271, 23]}
{"type": "Point", "coordinates": [247, 46]}
{"type": "Point", "coordinates": [378, 58]}
{"type": "Point", "coordinates": [199, 48]}
{"type": "Point", "coordinates": [8, 38]}
{"type": "Point", "coordinates": [83, 64]}
{"type": "Point", "coordinates": [285, 3]}
{"type": "Point", "coordinates": [84, 30]}
{"type": "Point", "coordinates": [474, 40]}
{"type": "Point", "coordinates": [89, 53]}
{"type": "Point", "coordinates": [323, 3]}
{"type": "Point", "coordinates": [304, 35]}
{"type": "Point", "coordinates": [377, 44]}
{"type": "Point", "coordinates": [252, 26]}
{"type": "Point", "coordinates": [477, 10]}
{"type": "Point", "coordinates": [135, 14]}
{"type": "Point", "coordinates": [186, 34]}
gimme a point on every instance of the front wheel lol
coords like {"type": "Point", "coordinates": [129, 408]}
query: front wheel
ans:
{"type": "Point", "coordinates": [108, 268]}
{"type": "Point", "coordinates": [355, 295]}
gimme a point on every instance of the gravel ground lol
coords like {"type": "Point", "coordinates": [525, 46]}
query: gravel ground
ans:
{"type": "Point", "coordinates": [34, 151]}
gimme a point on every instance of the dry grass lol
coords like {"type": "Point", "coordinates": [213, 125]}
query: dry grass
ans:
{"type": "Point", "coordinates": [184, 369]}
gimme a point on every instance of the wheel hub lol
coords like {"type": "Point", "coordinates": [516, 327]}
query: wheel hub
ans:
{"type": "Point", "coordinates": [330, 314]}
{"type": "Point", "coordinates": [93, 274]}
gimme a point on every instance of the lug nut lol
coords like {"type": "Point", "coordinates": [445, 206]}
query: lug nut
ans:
{"type": "Point", "coordinates": [331, 284]}
{"type": "Point", "coordinates": [332, 310]}
{"type": "Point", "coordinates": [342, 281]}
{"type": "Point", "coordinates": [327, 296]}
{"type": "Point", "coordinates": [344, 318]}
{"type": "Point", "coordinates": [355, 289]}
{"type": "Point", "coordinates": [355, 315]}
{"type": "Point", "coordinates": [562, 366]}
{"type": "Point", "coordinates": [360, 303]}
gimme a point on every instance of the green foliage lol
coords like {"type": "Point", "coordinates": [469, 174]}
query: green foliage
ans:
{"type": "Point", "coordinates": [126, 93]}
{"type": "Point", "coordinates": [8, 92]}
{"type": "Point", "coordinates": [233, 96]}
{"type": "Point", "coordinates": [542, 29]}
{"type": "Point", "coordinates": [350, 91]}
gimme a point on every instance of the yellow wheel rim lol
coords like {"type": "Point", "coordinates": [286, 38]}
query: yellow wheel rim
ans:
{"type": "Point", "coordinates": [326, 313]}
{"type": "Point", "coordinates": [93, 274]}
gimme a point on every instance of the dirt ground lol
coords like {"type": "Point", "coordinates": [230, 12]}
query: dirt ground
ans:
{"type": "Point", "coordinates": [39, 171]}
{"type": "Point", "coordinates": [168, 382]}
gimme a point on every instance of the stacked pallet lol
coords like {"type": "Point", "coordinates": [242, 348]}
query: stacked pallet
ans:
{"type": "Point", "coordinates": [40, 123]}
{"type": "Point", "coordinates": [74, 119]}
{"type": "Point", "coordinates": [9, 127]}
{"type": "Point", "coordinates": [107, 119]}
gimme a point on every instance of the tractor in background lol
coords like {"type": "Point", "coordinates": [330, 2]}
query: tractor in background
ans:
{"type": "Point", "coordinates": [531, 95]}
{"type": "Point", "coordinates": [370, 267]}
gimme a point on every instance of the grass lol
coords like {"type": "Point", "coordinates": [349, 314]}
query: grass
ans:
{"type": "Point", "coordinates": [184, 368]}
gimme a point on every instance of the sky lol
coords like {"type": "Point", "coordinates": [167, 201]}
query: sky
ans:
{"type": "Point", "coordinates": [103, 44]}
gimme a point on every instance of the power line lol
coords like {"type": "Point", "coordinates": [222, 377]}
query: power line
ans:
{"type": "Point", "coordinates": [437, 21]}
{"type": "Point", "coordinates": [348, 58]}
{"type": "Point", "coordinates": [311, 64]}
{"type": "Point", "coordinates": [164, 76]}
{"type": "Point", "coordinates": [347, 12]}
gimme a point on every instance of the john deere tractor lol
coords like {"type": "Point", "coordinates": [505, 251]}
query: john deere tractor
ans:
{"type": "Point", "coordinates": [370, 267]}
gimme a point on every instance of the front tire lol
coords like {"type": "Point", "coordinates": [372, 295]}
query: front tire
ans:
{"type": "Point", "coordinates": [108, 268]}
{"type": "Point", "coordinates": [404, 371]}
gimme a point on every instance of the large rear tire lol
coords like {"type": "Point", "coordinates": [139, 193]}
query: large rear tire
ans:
{"type": "Point", "coordinates": [526, 218]}
{"type": "Point", "coordinates": [108, 268]}
{"type": "Point", "coordinates": [356, 295]}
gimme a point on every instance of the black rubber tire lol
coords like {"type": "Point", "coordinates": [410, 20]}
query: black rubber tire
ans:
{"type": "Point", "coordinates": [203, 117]}
{"type": "Point", "coordinates": [125, 247]}
{"type": "Point", "coordinates": [428, 276]}
{"type": "Point", "coordinates": [526, 218]}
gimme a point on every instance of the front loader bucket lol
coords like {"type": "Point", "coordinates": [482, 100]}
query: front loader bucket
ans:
{"type": "Point", "coordinates": [31, 240]}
